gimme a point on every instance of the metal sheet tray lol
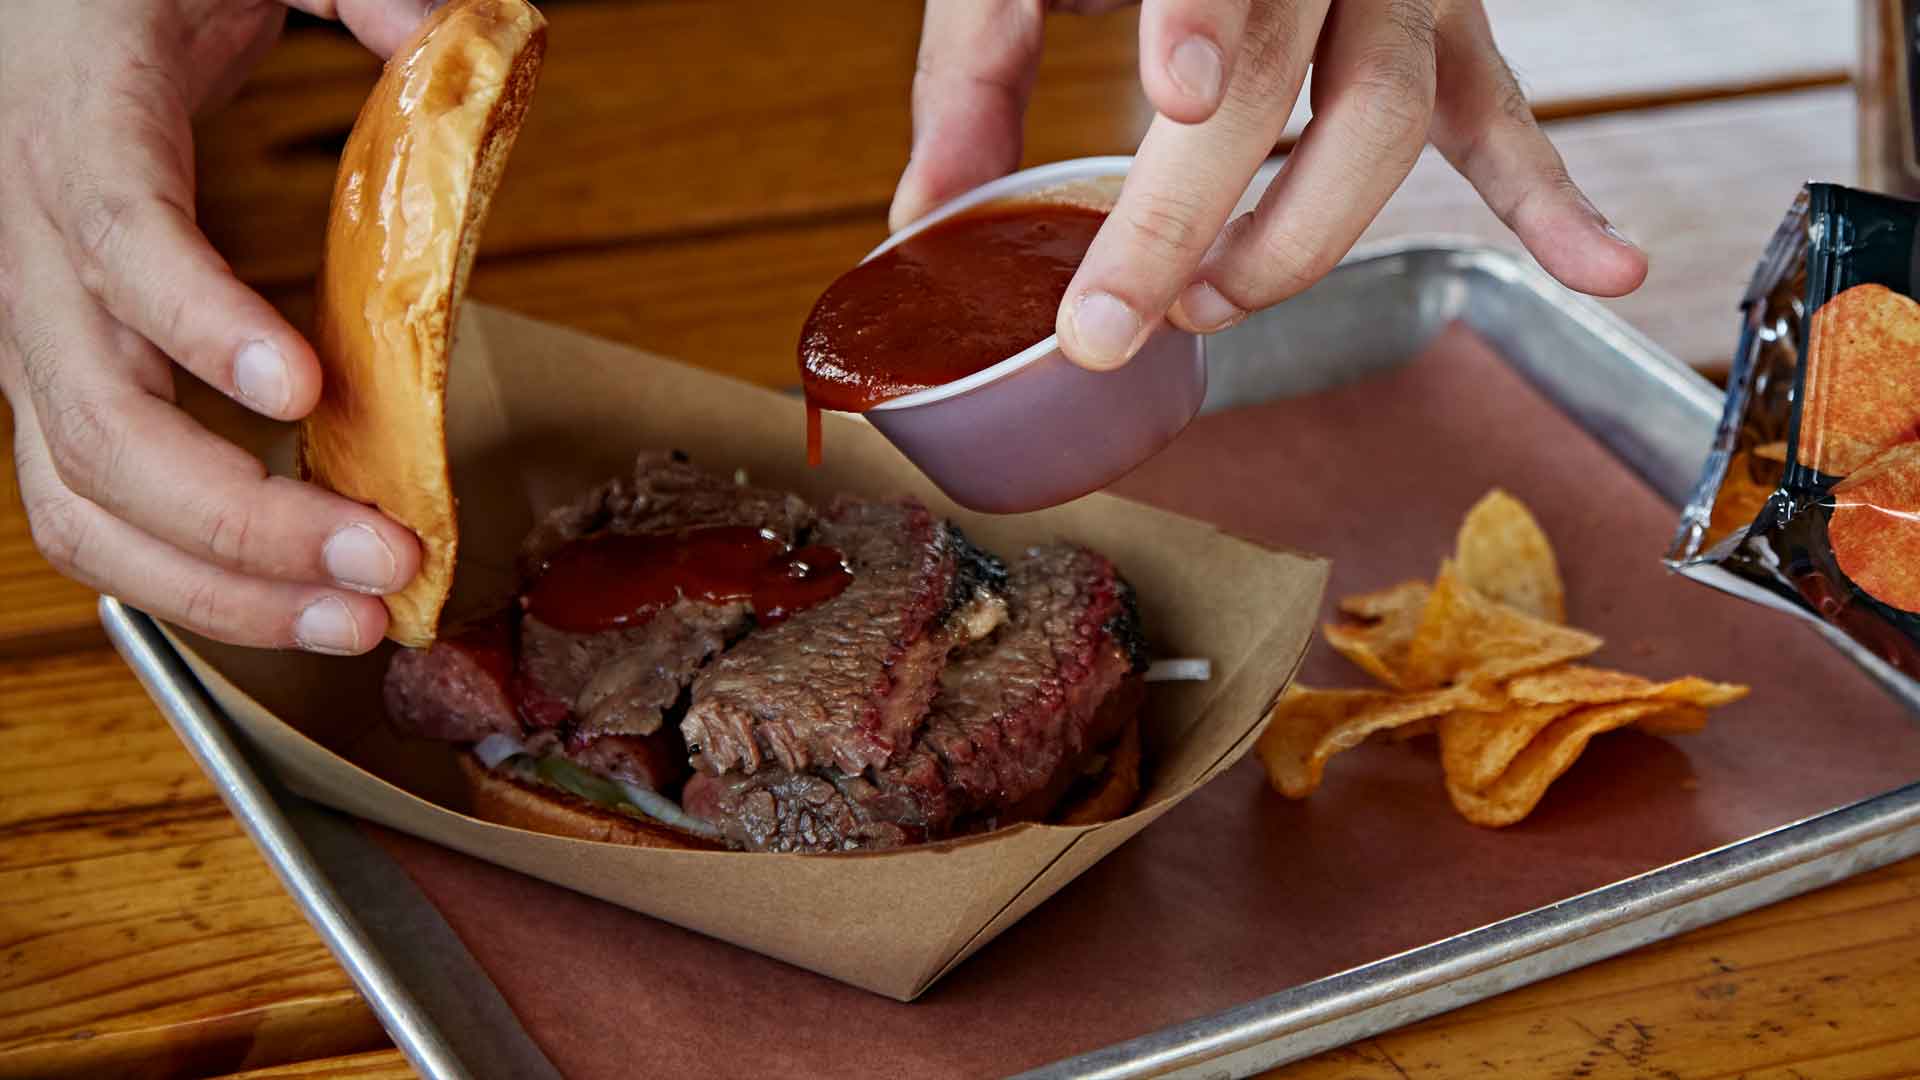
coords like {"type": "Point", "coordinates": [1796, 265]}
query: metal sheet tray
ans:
{"type": "Point", "coordinates": [1379, 309]}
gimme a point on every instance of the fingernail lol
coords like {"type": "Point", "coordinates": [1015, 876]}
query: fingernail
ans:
{"type": "Point", "coordinates": [356, 556]}
{"type": "Point", "coordinates": [326, 626]}
{"type": "Point", "coordinates": [1613, 234]}
{"type": "Point", "coordinates": [1206, 309]}
{"type": "Point", "coordinates": [1105, 328]}
{"type": "Point", "coordinates": [1196, 68]}
{"type": "Point", "coordinates": [260, 376]}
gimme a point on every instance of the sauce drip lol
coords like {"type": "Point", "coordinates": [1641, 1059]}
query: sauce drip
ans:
{"type": "Point", "coordinates": [953, 300]}
{"type": "Point", "coordinates": [611, 581]}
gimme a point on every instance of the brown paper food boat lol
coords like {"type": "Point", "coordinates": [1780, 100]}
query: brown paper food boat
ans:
{"type": "Point", "coordinates": [535, 413]}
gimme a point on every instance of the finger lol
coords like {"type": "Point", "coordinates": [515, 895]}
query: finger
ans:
{"type": "Point", "coordinates": [122, 205]}
{"type": "Point", "coordinates": [1482, 125]}
{"type": "Point", "coordinates": [89, 544]}
{"type": "Point", "coordinates": [142, 257]}
{"type": "Point", "coordinates": [381, 25]}
{"type": "Point", "coordinates": [1187, 49]}
{"type": "Point", "coordinates": [112, 441]}
{"type": "Point", "coordinates": [970, 89]}
{"type": "Point", "coordinates": [182, 484]}
{"type": "Point", "coordinates": [1183, 183]}
{"type": "Point", "coordinates": [1373, 100]}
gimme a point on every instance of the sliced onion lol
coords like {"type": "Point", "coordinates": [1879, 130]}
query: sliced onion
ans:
{"type": "Point", "coordinates": [1189, 670]}
{"type": "Point", "coordinates": [497, 748]}
{"type": "Point", "coordinates": [661, 808]}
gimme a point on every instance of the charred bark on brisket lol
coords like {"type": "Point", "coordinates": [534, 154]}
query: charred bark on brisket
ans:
{"type": "Point", "coordinates": [1014, 716]}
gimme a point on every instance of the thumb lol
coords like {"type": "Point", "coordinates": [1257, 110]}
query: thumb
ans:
{"type": "Point", "coordinates": [970, 86]}
{"type": "Point", "coordinates": [381, 25]}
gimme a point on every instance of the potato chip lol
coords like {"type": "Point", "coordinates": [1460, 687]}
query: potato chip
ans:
{"type": "Point", "coordinates": [1502, 552]}
{"type": "Point", "coordinates": [1380, 648]}
{"type": "Point", "coordinates": [1739, 501]}
{"type": "Point", "coordinates": [1861, 389]}
{"type": "Point", "coordinates": [1476, 747]}
{"type": "Point", "coordinates": [1407, 732]}
{"type": "Point", "coordinates": [1387, 602]}
{"type": "Point", "coordinates": [1578, 685]}
{"type": "Point", "coordinates": [1518, 790]}
{"type": "Point", "coordinates": [1875, 527]}
{"type": "Point", "coordinates": [1678, 720]}
{"type": "Point", "coordinates": [1481, 658]}
{"type": "Point", "coordinates": [1466, 638]}
{"type": "Point", "coordinates": [1309, 726]}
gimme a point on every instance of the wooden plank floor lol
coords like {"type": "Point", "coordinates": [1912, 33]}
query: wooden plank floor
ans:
{"type": "Point", "coordinates": [696, 206]}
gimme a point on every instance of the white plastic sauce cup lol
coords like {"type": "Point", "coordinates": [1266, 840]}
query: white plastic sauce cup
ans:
{"type": "Point", "coordinates": [1034, 430]}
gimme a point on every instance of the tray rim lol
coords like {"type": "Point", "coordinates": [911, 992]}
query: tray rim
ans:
{"type": "Point", "coordinates": [1294, 1023]}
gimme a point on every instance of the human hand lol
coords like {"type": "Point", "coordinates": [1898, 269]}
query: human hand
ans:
{"type": "Point", "coordinates": [1388, 77]}
{"type": "Point", "coordinates": [106, 283]}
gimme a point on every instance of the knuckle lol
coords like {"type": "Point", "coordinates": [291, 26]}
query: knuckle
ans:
{"type": "Point", "coordinates": [202, 607]}
{"type": "Point", "coordinates": [1533, 198]}
{"type": "Point", "coordinates": [31, 127]}
{"type": "Point", "coordinates": [1513, 103]}
{"type": "Point", "coordinates": [1269, 43]}
{"type": "Point", "coordinates": [85, 445]}
{"type": "Point", "coordinates": [1286, 266]}
{"type": "Point", "coordinates": [1418, 22]}
{"type": "Point", "coordinates": [59, 528]}
{"type": "Point", "coordinates": [39, 352]}
{"type": "Point", "coordinates": [1392, 95]}
{"type": "Point", "coordinates": [173, 312]}
{"type": "Point", "coordinates": [1165, 224]}
{"type": "Point", "coordinates": [229, 527]}
{"type": "Point", "coordinates": [101, 222]}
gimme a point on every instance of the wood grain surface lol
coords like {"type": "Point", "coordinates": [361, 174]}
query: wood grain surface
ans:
{"type": "Point", "coordinates": [735, 301]}
{"type": "Point", "coordinates": [1818, 987]}
{"type": "Point", "coordinates": [140, 932]}
{"type": "Point", "coordinates": [693, 173]}
{"type": "Point", "coordinates": [640, 133]}
{"type": "Point", "coordinates": [375, 1065]}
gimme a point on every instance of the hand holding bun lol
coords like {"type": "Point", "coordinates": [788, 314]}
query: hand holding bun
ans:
{"type": "Point", "coordinates": [415, 181]}
{"type": "Point", "coordinates": [113, 304]}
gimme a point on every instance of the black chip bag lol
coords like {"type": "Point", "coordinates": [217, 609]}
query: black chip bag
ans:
{"type": "Point", "coordinates": [1810, 499]}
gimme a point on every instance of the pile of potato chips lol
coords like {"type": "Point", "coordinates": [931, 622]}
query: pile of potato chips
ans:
{"type": "Point", "coordinates": [1481, 657]}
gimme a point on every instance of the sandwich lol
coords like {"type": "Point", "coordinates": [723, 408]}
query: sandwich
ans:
{"type": "Point", "coordinates": [642, 687]}
{"type": "Point", "coordinates": [686, 660]}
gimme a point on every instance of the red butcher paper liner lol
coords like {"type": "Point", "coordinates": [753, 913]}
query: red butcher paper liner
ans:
{"type": "Point", "coordinates": [1238, 893]}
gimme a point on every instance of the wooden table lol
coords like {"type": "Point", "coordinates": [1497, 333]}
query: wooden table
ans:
{"type": "Point", "coordinates": [691, 176]}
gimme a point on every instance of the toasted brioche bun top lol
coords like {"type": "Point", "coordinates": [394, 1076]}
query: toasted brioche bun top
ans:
{"type": "Point", "coordinates": [411, 195]}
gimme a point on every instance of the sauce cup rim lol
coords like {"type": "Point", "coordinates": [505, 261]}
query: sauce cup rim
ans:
{"type": "Point", "coordinates": [1013, 184]}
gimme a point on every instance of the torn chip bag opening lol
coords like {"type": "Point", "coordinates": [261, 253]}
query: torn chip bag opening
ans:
{"type": "Point", "coordinates": [1810, 500]}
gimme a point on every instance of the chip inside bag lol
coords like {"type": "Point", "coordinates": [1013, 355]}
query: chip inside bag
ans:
{"type": "Point", "coordinates": [1810, 499]}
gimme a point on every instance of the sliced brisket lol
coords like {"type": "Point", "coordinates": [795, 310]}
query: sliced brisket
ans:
{"type": "Point", "coordinates": [601, 698]}
{"type": "Point", "coordinates": [847, 682]}
{"type": "Point", "coordinates": [1015, 716]}
{"type": "Point", "coordinates": [664, 494]}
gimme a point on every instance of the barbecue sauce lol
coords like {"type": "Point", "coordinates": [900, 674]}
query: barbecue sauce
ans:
{"type": "Point", "coordinates": [953, 300]}
{"type": "Point", "coordinates": [611, 581]}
